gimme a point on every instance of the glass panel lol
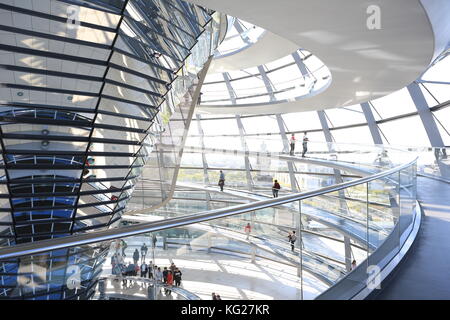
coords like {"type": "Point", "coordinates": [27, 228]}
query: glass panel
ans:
{"type": "Point", "coordinates": [383, 221]}
{"type": "Point", "coordinates": [407, 202]}
{"type": "Point", "coordinates": [398, 132]}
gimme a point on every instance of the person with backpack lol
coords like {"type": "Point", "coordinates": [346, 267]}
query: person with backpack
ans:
{"type": "Point", "coordinates": [292, 238]}
{"type": "Point", "coordinates": [275, 188]}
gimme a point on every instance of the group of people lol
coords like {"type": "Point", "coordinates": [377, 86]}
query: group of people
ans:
{"type": "Point", "coordinates": [304, 143]}
{"type": "Point", "coordinates": [169, 275]}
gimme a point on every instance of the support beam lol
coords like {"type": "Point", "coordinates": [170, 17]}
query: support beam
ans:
{"type": "Point", "coordinates": [326, 129]}
{"type": "Point", "coordinates": [230, 89]}
{"type": "Point", "coordinates": [301, 65]}
{"type": "Point", "coordinates": [374, 130]}
{"type": "Point", "coordinates": [245, 148]}
{"type": "Point", "coordinates": [267, 83]}
{"type": "Point", "coordinates": [426, 116]}
{"type": "Point", "coordinates": [294, 184]}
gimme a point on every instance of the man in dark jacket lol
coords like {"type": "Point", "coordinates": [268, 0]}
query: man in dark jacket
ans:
{"type": "Point", "coordinates": [177, 276]}
{"type": "Point", "coordinates": [165, 273]}
{"type": "Point", "coordinates": [136, 256]}
{"type": "Point", "coordinates": [144, 269]}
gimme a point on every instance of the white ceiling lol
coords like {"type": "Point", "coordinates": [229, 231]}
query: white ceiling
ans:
{"type": "Point", "coordinates": [365, 64]}
{"type": "Point", "coordinates": [268, 48]}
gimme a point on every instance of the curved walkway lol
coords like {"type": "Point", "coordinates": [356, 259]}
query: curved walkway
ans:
{"type": "Point", "coordinates": [425, 272]}
{"type": "Point", "coordinates": [352, 228]}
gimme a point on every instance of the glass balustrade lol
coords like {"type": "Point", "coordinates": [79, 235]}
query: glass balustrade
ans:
{"type": "Point", "coordinates": [320, 245]}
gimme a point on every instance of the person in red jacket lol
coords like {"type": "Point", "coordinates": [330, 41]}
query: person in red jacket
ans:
{"type": "Point", "coordinates": [169, 282]}
{"type": "Point", "coordinates": [276, 187]}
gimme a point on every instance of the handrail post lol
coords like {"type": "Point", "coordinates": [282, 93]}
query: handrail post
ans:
{"type": "Point", "coordinates": [300, 236]}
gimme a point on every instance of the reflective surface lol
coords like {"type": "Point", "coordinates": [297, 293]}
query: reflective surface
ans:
{"type": "Point", "coordinates": [82, 85]}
